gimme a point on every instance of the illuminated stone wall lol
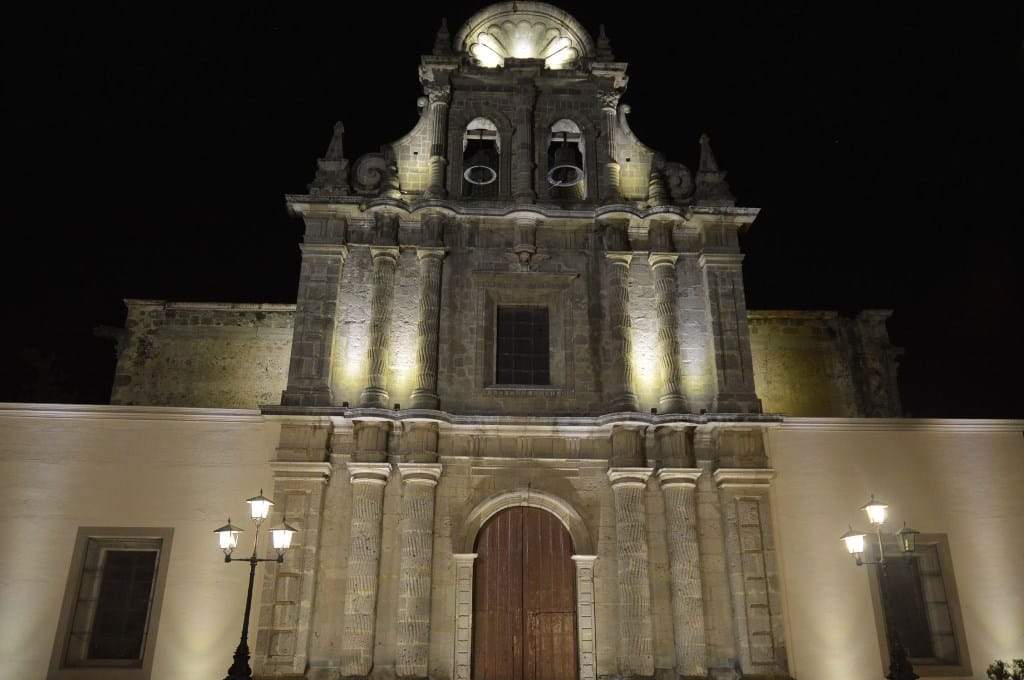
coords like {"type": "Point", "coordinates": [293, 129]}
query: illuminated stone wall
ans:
{"type": "Point", "coordinates": [203, 354]}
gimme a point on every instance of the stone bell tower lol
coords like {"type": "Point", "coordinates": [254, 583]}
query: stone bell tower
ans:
{"type": "Point", "coordinates": [519, 320]}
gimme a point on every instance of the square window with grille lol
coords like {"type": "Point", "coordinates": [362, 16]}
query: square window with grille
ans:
{"type": "Point", "coordinates": [112, 603]}
{"type": "Point", "coordinates": [918, 602]}
{"type": "Point", "coordinates": [523, 350]}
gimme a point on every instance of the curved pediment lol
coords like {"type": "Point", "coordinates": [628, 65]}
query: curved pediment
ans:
{"type": "Point", "coordinates": [524, 30]}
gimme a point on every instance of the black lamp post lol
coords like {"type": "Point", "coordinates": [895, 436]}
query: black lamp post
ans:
{"type": "Point", "coordinates": [900, 667]}
{"type": "Point", "coordinates": [227, 535]}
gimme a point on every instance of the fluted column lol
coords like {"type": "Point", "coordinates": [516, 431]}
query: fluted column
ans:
{"type": "Point", "coordinates": [417, 548]}
{"type": "Point", "coordinates": [438, 97]}
{"type": "Point", "coordinates": [636, 647]}
{"type": "Point", "coordinates": [522, 187]}
{"type": "Point", "coordinates": [623, 397]}
{"type": "Point", "coordinates": [425, 393]}
{"type": "Point", "coordinates": [678, 487]}
{"type": "Point", "coordinates": [663, 268]}
{"type": "Point", "coordinates": [368, 482]}
{"type": "Point", "coordinates": [385, 261]}
{"type": "Point", "coordinates": [611, 191]}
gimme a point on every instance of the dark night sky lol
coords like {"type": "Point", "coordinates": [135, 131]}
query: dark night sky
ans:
{"type": "Point", "coordinates": [148, 151]}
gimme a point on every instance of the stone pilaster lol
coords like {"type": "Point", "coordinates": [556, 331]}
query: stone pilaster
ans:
{"type": "Point", "coordinates": [286, 610]}
{"type": "Point", "coordinates": [623, 398]}
{"type": "Point", "coordinates": [636, 641]}
{"type": "Point", "coordinates": [438, 97]}
{"type": "Point", "coordinates": [678, 487]}
{"type": "Point", "coordinates": [753, 575]}
{"type": "Point", "coordinates": [522, 179]}
{"type": "Point", "coordinates": [611, 191]}
{"type": "Point", "coordinates": [316, 318]}
{"type": "Point", "coordinates": [385, 261]}
{"type": "Point", "coordinates": [417, 550]}
{"type": "Point", "coordinates": [368, 482]}
{"type": "Point", "coordinates": [730, 337]}
{"type": "Point", "coordinates": [425, 393]}
{"type": "Point", "coordinates": [663, 269]}
{"type": "Point", "coordinates": [463, 614]}
{"type": "Point", "coordinates": [586, 634]}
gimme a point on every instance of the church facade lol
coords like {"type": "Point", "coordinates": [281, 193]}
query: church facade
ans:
{"type": "Point", "coordinates": [525, 426]}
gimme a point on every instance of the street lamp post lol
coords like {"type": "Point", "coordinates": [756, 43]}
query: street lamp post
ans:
{"type": "Point", "coordinates": [900, 667]}
{"type": "Point", "coordinates": [227, 535]}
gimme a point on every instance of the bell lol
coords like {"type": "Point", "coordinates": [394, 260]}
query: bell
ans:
{"type": "Point", "coordinates": [566, 165]}
{"type": "Point", "coordinates": [481, 168]}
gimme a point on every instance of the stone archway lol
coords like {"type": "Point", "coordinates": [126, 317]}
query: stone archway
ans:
{"type": "Point", "coordinates": [583, 559]}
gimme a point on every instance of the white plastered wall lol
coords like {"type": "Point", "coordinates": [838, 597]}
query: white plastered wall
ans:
{"type": "Point", "coordinates": [62, 467]}
{"type": "Point", "coordinates": [957, 477]}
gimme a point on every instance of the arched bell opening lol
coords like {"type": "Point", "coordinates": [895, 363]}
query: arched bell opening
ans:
{"type": "Point", "coordinates": [481, 150]}
{"type": "Point", "coordinates": [566, 177]}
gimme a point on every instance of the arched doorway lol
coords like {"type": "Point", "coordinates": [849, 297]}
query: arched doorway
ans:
{"type": "Point", "coordinates": [524, 600]}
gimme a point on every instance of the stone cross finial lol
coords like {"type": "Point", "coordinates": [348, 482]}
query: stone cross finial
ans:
{"type": "Point", "coordinates": [708, 163]}
{"type": "Point", "coordinates": [443, 40]}
{"type": "Point", "coordinates": [604, 46]}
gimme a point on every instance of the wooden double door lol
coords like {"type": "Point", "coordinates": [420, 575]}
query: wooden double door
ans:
{"type": "Point", "coordinates": [524, 598]}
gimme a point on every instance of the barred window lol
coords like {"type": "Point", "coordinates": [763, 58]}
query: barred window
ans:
{"type": "Point", "coordinates": [112, 602]}
{"type": "Point", "coordinates": [522, 355]}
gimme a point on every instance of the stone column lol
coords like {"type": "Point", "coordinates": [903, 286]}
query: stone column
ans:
{"type": "Point", "coordinates": [636, 645]}
{"type": "Point", "coordinates": [663, 269]}
{"type": "Point", "coordinates": [730, 337]}
{"type": "Point", "coordinates": [463, 614]}
{"type": "Point", "coordinates": [586, 632]}
{"type": "Point", "coordinates": [385, 261]}
{"type": "Point", "coordinates": [368, 482]}
{"type": "Point", "coordinates": [438, 97]}
{"type": "Point", "coordinates": [316, 318]}
{"type": "Point", "coordinates": [623, 397]}
{"type": "Point", "coordinates": [525, 95]}
{"type": "Point", "coordinates": [611, 191]}
{"type": "Point", "coordinates": [286, 610]}
{"type": "Point", "coordinates": [425, 393]}
{"type": "Point", "coordinates": [750, 565]}
{"type": "Point", "coordinates": [417, 552]}
{"type": "Point", "coordinates": [678, 486]}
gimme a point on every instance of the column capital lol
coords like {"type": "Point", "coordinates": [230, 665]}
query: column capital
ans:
{"type": "Point", "coordinates": [629, 475]}
{"type": "Point", "coordinates": [658, 259]}
{"type": "Point", "coordinates": [324, 249]}
{"type": "Point", "coordinates": [384, 251]}
{"type": "Point", "coordinates": [720, 260]}
{"type": "Point", "coordinates": [584, 561]}
{"type": "Point", "coordinates": [464, 558]}
{"type": "Point", "coordinates": [619, 257]}
{"type": "Point", "coordinates": [369, 473]}
{"type": "Point", "coordinates": [743, 477]}
{"type": "Point", "coordinates": [420, 473]}
{"type": "Point", "coordinates": [428, 252]}
{"type": "Point", "coordinates": [678, 476]}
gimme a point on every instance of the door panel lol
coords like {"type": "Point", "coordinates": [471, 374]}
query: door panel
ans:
{"type": "Point", "coordinates": [524, 603]}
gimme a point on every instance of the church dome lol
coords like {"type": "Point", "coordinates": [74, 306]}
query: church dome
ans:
{"type": "Point", "coordinates": [524, 30]}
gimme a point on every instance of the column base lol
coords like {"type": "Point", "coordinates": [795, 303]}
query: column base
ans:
{"type": "Point", "coordinates": [736, 403]}
{"type": "Point", "coordinates": [424, 399]}
{"type": "Point", "coordinates": [374, 397]}
{"type": "Point", "coordinates": [625, 402]}
{"type": "Point", "coordinates": [671, 403]}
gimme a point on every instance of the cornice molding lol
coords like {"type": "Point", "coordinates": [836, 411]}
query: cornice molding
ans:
{"type": "Point", "coordinates": [900, 425]}
{"type": "Point", "coordinates": [118, 412]}
{"type": "Point", "coordinates": [743, 477]}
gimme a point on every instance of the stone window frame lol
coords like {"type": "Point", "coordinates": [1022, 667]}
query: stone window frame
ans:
{"type": "Point", "coordinates": [158, 538]}
{"type": "Point", "coordinates": [963, 666]}
{"type": "Point", "coordinates": [551, 290]}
